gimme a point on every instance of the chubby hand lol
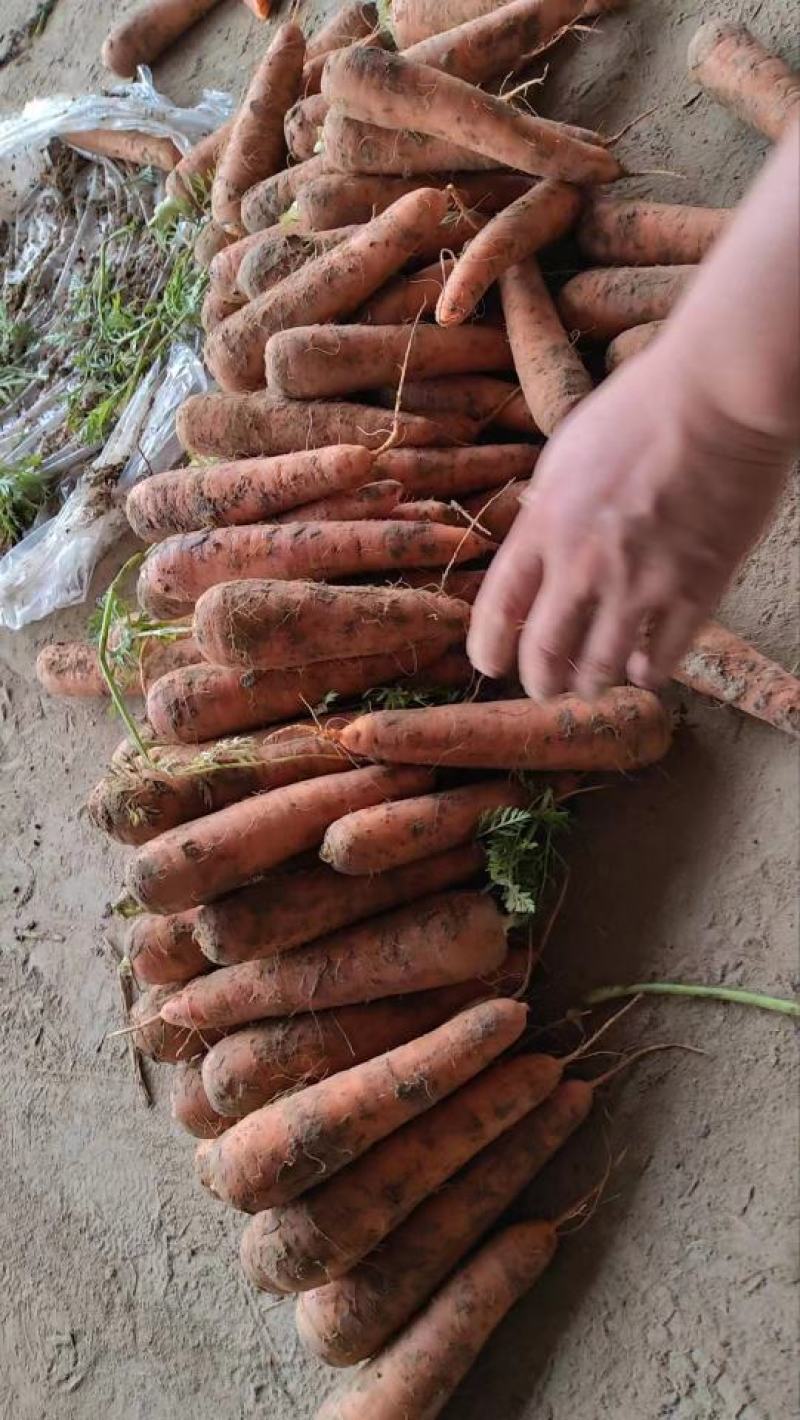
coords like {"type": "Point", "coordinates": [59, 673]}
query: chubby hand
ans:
{"type": "Point", "coordinates": [642, 506]}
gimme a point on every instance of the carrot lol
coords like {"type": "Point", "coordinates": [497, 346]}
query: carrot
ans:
{"type": "Point", "coordinates": [727, 668]}
{"type": "Point", "coordinates": [262, 9]}
{"type": "Point", "coordinates": [630, 342]}
{"type": "Point", "coordinates": [353, 21]}
{"type": "Point", "coordinates": [255, 425]}
{"type": "Point", "coordinates": [204, 702]}
{"type": "Point", "coordinates": [377, 839]}
{"type": "Point", "coordinates": [197, 862]}
{"type": "Point", "coordinates": [159, 1041]}
{"type": "Point", "coordinates": [268, 201]}
{"type": "Point", "coordinates": [302, 127]}
{"type": "Point", "coordinates": [266, 265]}
{"type": "Point", "coordinates": [464, 585]}
{"type": "Point", "coordinates": [498, 42]}
{"type": "Point", "coordinates": [624, 729]}
{"type": "Point", "coordinates": [484, 398]}
{"type": "Point", "coordinates": [335, 198]}
{"type": "Point", "coordinates": [406, 299]}
{"type": "Point", "coordinates": [188, 182]}
{"type": "Point", "coordinates": [163, 950]}
{"type": "Point", "coordinates": [224, 268]}
{"type": "Point", "coordinates": [452, 473]}
{"type": "Point", "coordinates": [137, 803]}
{"type": "Point", "coordinates": [290, 625]}
{"type": "Point", "coordinates": [144, 35]}
{"type": "Point", "coordinates": [639, 233]}
{"type": "Point", "coordinates": [535, 219]}
{"type": "Point", "coordinates": [396, 93]}
{"type": "Point", "coordinates": [71, 669]}
{"type": "Point", "coordinates": [276, 1153]}
{"type": "Point", "coordinates": [421, 1369]}
{"type": "Point", "coordinates": [416, 20]}
{"type": "Point", "coordinates": [256, 147]}
{"type": "Point", "coordinates": [216, 308]}
{"type": "Point", "coordinates": [181, 568]}
{"type": "Point", "coordinates": [210, 240]}
{"type": "Point", "coordinates": [244, 491]}
{"type": "Point", "coordinates": [495, 510]}
{"type": "Point", "coordinates": [373, 500]}
{"type": "Point", "coordinates": [335, 283]}
{"type": "Point", "coordinates": [353, 146]}
{"type": "Point", "coordinates": [321, 1236]}
{"type": "Point", "coordinates": [429, 510]}
{"type": "Point", "coordinates": [190, 1107]}
{"type": "Point", "coordinates": [736, 70]}
{"type": "Point", "coordinates": [350, 1319]}
{"type": "Point", "coordinates": [604, 301]}
{"type": "Point", "coordinates": [129, 145]}
{"type": "Point", "coordinates": [313, 361]}
{"type": "Point", "coordinates": [550, 371]}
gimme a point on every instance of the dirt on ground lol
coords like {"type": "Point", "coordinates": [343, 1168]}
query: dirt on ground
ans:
{"type": "Point", "coordinates": [120, 1291]}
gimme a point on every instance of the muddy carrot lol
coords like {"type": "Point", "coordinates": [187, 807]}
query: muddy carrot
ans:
{"type": "Point", "coordinates": [415, 20]}
{"type": "Point", "coordinates": [159, 1041]}
{"type": "Point", "coordinates": [373, 500]}
{"type": "Point", "coordinates": [266, 265]}
{"type": "Point", "coordinates": [224, 268]}
{"type": "Point", "coordinates": [604, 301]}
{"type": "Point", "coordinates": [332, 200]}
{"type": "Point", "coordinates": [488, 400]}
{"type": "Point", "coordinates": [190, 1106]}
{"type": "Point", "coordinates": [352, 21]}
{"type": "Point", "coordinates": [494, 510]}
{"type": "Point", "coordinates": [498, 42]}
{"type": "Point", "coordinates": [463, 585]}
{"type": "Point", "coordinates": [727, 668]}
{"type": "Point", "coordinates": [735, 68]}
{"type": "Point", "coordinates": [550, 371]}
{"type": "Point", "coordinates": [163, 950]}
{"type": "Point", "coordinates": [144, 35]}
{"type": "Point", "coordinates": [630, 342]}
{"type": "Point", "coordinates": [454, 473]}
{"type": "Point", "coordinates": [210, 240]}
{"type": "Point", "coordinates": [268, 201]}
{"type": "Point", "coordinates": [216, 308]}
{"type": "Point", "coordinates": [407, 299]}
{"type": "Point", "coordinates": [616, 232]}
{"type": "Point", "coordinates": [302, 127]}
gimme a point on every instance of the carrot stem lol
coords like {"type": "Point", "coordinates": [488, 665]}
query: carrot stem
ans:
{"type": "Point", "coordinates": [783, 1005]}
{"type": "Point", "coordinates": [102, 653]}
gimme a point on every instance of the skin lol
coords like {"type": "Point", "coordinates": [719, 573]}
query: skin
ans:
{"type": "Point", "coordinates": [653, 491]}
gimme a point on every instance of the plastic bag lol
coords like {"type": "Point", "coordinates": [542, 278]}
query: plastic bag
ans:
{"type": "Point", "coordinates": [53, 564]}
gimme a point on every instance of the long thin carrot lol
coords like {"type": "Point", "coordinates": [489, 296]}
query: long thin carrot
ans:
{"type": "Point", "coordinates": [550, 370]}
{"type": "Point", "coordinates": [127, 145]}
{"type": "Point", "coordinates": [727, 668]}
{"type": "Point", "coordinates": [495, 510]}
{"type": "Point", "coordinates": [453, 473]}
{"type": "Point", "coordinates": [490, 401]}
{"type": "Point", "coordinates": [378, 500]}
{"type": "Point", "coordinates": [353, 146]}
{"type": "Point", "coordinates": [735, 68]}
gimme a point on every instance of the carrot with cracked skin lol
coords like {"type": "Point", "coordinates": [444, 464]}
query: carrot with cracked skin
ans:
{"type": "Point", "coordinates": [289, 625]}
{"type": "Point", "coordinates": [190, 1106]}
{"type": "Point", "coordinates": [435, 941]}
{"type": "Point", "coordinates": [292, 906]}
{"type": "Point", "coordinates": [268, 202]}
{"type": "Point", "coordinates": [499, 42]}
{"type": "Point", "coordinates": [373, 500]}
{"type": "Point", "coordinates": [141, 37]}
{"type": "Point", "coordinates": [196, 862]}
{"type": "Point", "coordinates": [234, 426]}
{"type": "Point", "coordinates": [604, 301]}
{"type": "Point", "coordinates": [552, 375]}
{"type": "Point", "coordinates": [353, 146]}
{"type": "Point", "coordinates": [375, 840]}
{"type": "Point", "coordinates": [351, 1319]}
{"type": "Point", "coordinates": [624, 729]}
{"type": "Point", "coordinates": [734, 67]}
{"type": "Point", "coordinates": [302, 127]}
{"type": "Point", "coordinates": [321, 1236]}
{"type": "Point", "coordinates": [141, 801]}
{"type": "Point", "coordinates": [127, 145]}
{"type": "Point", "coordinates": [394, 92]}
{"type": "Point", "coordinates": [163, 950]}
{"type": "Point", "coordinates": [633, 232]}
{"type": "Point", "coordinates": [279, 1151]}
{"type": "Point", "coordinates": [452, 473]}
{"type": "Point", "coordinates": [243, 492]}
{"type": "Point", "coordinates": [190, 179]}
{"type": "Point", "coordinates": [160, 1041]}
{"type": "Point", "coordinates": [204, 702]}
{"type": "Point", "coordinates": [181, 568]}
{"type": "Point", "coordinates": [537, 218]}
{"type": "Point", "coordinates": [630, 342]}
{"type": "Point", "coordinates": [727, 668]}
{"type": "Point", "coordinates": [494, 510]}
{"type": "Point", "coordinates": [310, 362]}
{"type": "Point", "coordinates": [284, 253]}
{"type": "Point", "coordinates": [488, 400]}
{"type": "Point", "coordinates": [333, 284]}
{"type": "Point", "coordinates": [420, 1370]}
{"type": "Point", "coordinates": [256, 147]}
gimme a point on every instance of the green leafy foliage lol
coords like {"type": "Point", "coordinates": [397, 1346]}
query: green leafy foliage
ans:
{"type": "Point", "coordinates": [24, 489]}
{"type": "Point", "coordinates": [404, 697]}
{"type": "Point", "coordinates": [15, 338]}
{"type": "Point", "coordinates": [521, 855]}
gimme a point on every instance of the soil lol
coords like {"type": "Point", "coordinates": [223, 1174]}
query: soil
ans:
{"type": "Point", "coordinates": [120, 1291]}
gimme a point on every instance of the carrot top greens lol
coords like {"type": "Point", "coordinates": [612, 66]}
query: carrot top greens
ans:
{"type": "Point", "coordinates": [521, 855]}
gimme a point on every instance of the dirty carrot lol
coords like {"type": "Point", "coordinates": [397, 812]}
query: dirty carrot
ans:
{"type": "Point", "coordinates": [352, 21]}
{"type": "Point", "coordinates": [210, 240]}
{"type": "Point", "coordinates": [604, 301]}
{"type": "Point", "coordinates": [353, 146]}
{"type": "Point", "coordinates": [217, 307]}
{"type": "Point", "coordinates": [159, 1041]}
{"type": "Point", "coordinates": [406, 299]}
{"type": "Point", "coordinates": [727, 668]}
{"type": "Point", "coordinates": [280, 255]}
{"type": "Point", "coordinates": [496, 509]}
{"type": "Point", "coordinates": [268, 201]}
{"type": "Point", "coordinates": [190, 1106]}
{"type": "Point", "coordinates": [453, 473]}
{"type": "Point", "coordinates": [634, 232]}
{"type": "Point", "coordinates": [630, 342]}
{"type": "Point", "coordinates": [372, 500]}
{"type": "Point", "coordinates": [550, 371]}
{"type": "Point", "coordinates": [488, 400]}
{"type": "Point", "coordinates": [498, 42]}
{"type": "Point", "coordinates": [152, 28]}
{"type": "Point", "coordinates": [163, 950]}
{"type": "Point", "coordinates": [71, 669]}
{"type": "Point", "coordinates": [224, 269]}
{"type": "Point", "coordinates": [303, 126]}
{"type": "Point", "coordinates": [735, 68]}
{"type": "Point", "coordinates": [128, 145]}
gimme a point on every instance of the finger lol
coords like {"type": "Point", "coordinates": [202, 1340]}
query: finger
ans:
{"type": "Point", "coordinates": [671, 633]}
{"type": "Point", "coordinates": [504, 600]}
{"type": "Point", "coordinates": [611, 637]}
{"type": "Point", "coordinates": [550, 639]}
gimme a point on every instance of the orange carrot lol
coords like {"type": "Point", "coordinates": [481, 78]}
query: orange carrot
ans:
{"type": "Point", "coordinates": [735, 68]}
{"type": "Point", "coordinates": [464, 585]}
{"type": "Point", "coordinates": [357, 147]}
{"type": "Point", "coordinates": [268, 201]}
{"type": "Point", "coordinates": [495, 509]}
{"type": "Point", "coordinates": [197, 862]}
{"type": "Point", "coordinates": [210, 240]}
{"type": "Point", "coordinates": [329, 201]}
{"type": "Point", "coordinates": [276, 1153]}
{"type": "Point", "coordinates": [224, 268]}
{"type": "Point", "coordinates": [498, 42]}
{"type": "Point", "coordinates": [385, 88]}
{"type": "Point", "coordinates": [144, 35]}
{"type": "Point", "coordinates": [244, 491]}
{"type": "Point", "coordinates": [727, 668]}
{"type": "Point", "coordinates": [630, 342]}
{"type": "Point", "coordinates": [638, 233]}
{"type": "Point", "coordinates": [217, 307]}
{"type": "Point", "coordinates": [162, 1042]}
{"type": "Point", "coordinates": [484, 398]}
{"type": "Point", "coordinates": [624, 729]}
{"type": "Point", "coordinates": [190, 1107]}
{"type": "Point", "coordinates": [552, 374]}
{"type": "Point", "coordinates": [537, 218]}
{"type": "Point", "coordinates": [189, 181]}
{"type": "Point", "coordinates": [452, 473]}
{"type": "Point", "coordinates": [372, 500]}
{"type": "Point", "coordinates": [335, 283]}
{"type": "Point", "coordinates": [430, 510]}
{"type": "Point", "coordinates": [256, 147]}
{"type": "Point", "coordinates": [71, 669]}
{"type": "Point", "coordinates": [350, 1319]}
{"type": "Point", "coordinates": [416, 20]}
{"type": "Point", "coordinates": [352, 22]}
{"type": "Point", "coordinates": [266, 265]}
{"type": "Point", "coordinates": [163, 950]}
{"type": "Point", "coordinates": [604, 301]}
{"type": "Point", "coordinates": [128, 145]}
{"type": "Point", "coordinates": [407, 298]}
{"type": "Point", "coordinates": [182, 567]}
{"type": "Point", "coordinates": [302, 127]}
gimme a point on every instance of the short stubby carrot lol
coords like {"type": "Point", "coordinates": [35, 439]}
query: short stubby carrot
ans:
{"type": "Point", "coordinates": [727, 668]}
{"type": "Point", "coordinates": [190, 1106]}
{"type": "Point", "coordinates": [735, 68]}
{"type": "Point", "coordinates": [303, 126]}
{"type": "Point", "coordinates": [633, 232]}
{"type": "Point", "coordinates": [276, 1153]}
{"type": "Point", "coordinates": [197, 862]}
{"type": "Point", "coordinates": [552, 375]}
{"type": "Point", "coordinates": [623, 729]}
{"type": "Point", "coordinates": [352, 146]}
{"type": "Point", "coordinates": [243, 491]}
{"type": "Point", "coordinates": [279, 255]}
{"type": "Point", "coordinates": [182, 567]}
{"type": "Point", "coordinates": [163, 950]}
{"type": "Point", "coordinates": [351, 1319]}
{"type": "Point", "coordinates": [268, 201]}
{"type": "Point", "coordinates": [630, 342]}
{"type": "Point", "coordinates": [602, 302]}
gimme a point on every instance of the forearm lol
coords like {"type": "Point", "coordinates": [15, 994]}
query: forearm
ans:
{"type": "Point", "coordinates": [735, 338]}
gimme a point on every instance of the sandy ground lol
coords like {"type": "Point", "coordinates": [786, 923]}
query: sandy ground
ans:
{"type": "Point", "coordinates": [119, 1288]}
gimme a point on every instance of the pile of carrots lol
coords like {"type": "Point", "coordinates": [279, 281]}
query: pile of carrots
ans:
{"type": "Point", "coordinates": [319, 957]}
